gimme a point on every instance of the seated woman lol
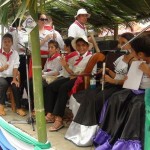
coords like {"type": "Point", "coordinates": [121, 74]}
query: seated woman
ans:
{"type": "Point", "coordinates": [52, 66]}
{"type": "Point", "coordinates": [56, 95]}
{"type": "Point", "coordinates": [90, 102]}
{"type": "Point", "coordinates": [123, 125]}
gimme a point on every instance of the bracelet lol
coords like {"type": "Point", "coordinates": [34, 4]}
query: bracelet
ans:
{"type": "Point", "coordinates": [116, 82]}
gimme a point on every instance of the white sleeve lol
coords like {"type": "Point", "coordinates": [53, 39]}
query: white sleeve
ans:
{"type": "Point", "coordinates": [55, 69]}
{"type": "Point", "coordinates": [72, 31]}
{"type": "Point", "coordinates": [20, 40]}
{"type": "Point", "coordinates": [16, 60]}
{"type": "Point", "coordinates": [45, 66]}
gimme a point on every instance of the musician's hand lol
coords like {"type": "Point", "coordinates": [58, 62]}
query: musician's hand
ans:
{"type": "Point", "coordinates": [15, 82]}
{"type": "Point", "coordinates": [145, 68]}
{"type": "Point", "coordinates": [63, 61]}
{"type": "Point", "coordinates": [107, 70]}
{"type": "Point", "coordinates": [108, 79]}
{"type": "Point", "coordinates": [126, 77]}
{"type": "Point", "coordinates": [101, 70]}
{"type": "Point", "coordinates": [48, 37]}
{"type": "Point", "coordinates": [5, 67]}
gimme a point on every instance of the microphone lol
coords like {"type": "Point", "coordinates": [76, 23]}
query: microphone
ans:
{"type": "Point", "coordinates": [118, 51]}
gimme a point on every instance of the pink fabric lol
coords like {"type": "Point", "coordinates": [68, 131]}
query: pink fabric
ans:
{"type": "Point", "coordinates": [81, 26]}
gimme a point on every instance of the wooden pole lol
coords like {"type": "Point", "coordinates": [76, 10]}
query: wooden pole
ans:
{"type": "Point", "coordinates": [116, 32]}
{"type": "Point", "coordinates": [94, 43]}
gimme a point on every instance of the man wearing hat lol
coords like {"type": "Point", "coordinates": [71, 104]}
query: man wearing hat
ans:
{"type": "Point", "coordinates": [77, 29]}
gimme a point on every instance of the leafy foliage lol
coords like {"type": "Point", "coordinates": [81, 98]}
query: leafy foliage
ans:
{"type": "Point", "coordinates": [103, 12]}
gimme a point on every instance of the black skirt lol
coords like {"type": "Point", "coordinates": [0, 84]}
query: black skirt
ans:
{"type": "Point", "coordinates": [123, 125]}
{"type": "Point", "coordinates": [87, 118]}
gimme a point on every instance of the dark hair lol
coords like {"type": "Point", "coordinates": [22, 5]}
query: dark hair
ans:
{"type": "Point", "coordinates": [80, 39]}
{"type": "Point", "coordinates": [127, 35]}
{"type": "Point", "coordinates": [39, 15]}
{"type": "Point", "coordinates": [142, 44]}
{"type": "Point", "coordinates": [7, 35]}
{"type": "Point", "coordinates": [54, 42]}
{"type": "Point", "coordinates": [68, 43]}
{"type": "Point", "coordinates": [16, 23]}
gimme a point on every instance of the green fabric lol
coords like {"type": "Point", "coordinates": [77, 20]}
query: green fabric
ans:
{"type": "Point", "coordinates": [23, 136]}
{"type": "Point", "coordinates": [147, 120]}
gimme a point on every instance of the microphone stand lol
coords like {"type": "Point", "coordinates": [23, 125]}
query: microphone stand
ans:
{"type": "Point", "coordinates": [30, 119]}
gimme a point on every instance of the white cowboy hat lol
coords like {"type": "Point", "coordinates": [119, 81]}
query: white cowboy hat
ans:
{"type": "Point", "coordinates": [83, 12]}
{"type": "Point", "coordinates": [73, 43]}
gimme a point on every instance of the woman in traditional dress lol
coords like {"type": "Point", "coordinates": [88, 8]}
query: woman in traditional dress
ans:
{"type": "Point", "coordinates": [123, 125]}
{"type": "Point", "coordinates": [87, 105]}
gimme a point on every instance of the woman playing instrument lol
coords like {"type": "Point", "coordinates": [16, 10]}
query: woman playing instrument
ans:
{"type": "Point", "coordinates": [87, 105]}
{"type": "Point", "coordinates": [123, 125]}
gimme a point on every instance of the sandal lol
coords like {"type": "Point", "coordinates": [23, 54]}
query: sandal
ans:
{"type": "Point", "coordinates": [21, 112]}
{"type": "Point", "coordinates": [2, 111]}
{"type": "Point", "coordinates": [58, 124]}
{"type": "Point", "coordinates": [50, 118]}
{"type": "Point", "coordinates": [33, 113]}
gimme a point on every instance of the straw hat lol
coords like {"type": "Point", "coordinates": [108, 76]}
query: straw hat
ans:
{"type": "Point", "coordinates": [83, 12]}
{"type": "Point", "coordinates": [84, 38]}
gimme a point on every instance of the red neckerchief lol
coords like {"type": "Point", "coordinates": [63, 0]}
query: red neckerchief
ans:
{"type": "Point", "coordinates": [70, 55]}
{"type": "Point", "coordinates": [49, 28]}
{"type": "Point", "coordinates": [48, 70]}
{"type": "Point", "coordinates": [7, 55]}
{"type": "Point", "coordinates": [80, 25]}
{"type": "Point", "coordinates": [80, 58]}
{"type": "Point", "coordinates": [53, 57]}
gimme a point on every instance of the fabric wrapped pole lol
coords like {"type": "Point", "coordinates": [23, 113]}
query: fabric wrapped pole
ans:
{"type": "Point", "coordinates": [147, 120]}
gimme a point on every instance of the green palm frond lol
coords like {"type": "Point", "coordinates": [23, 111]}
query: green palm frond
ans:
{"type": "Point", "coordinates": [103, 12]}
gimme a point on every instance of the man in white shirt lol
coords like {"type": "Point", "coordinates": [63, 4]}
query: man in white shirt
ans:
{"type": "Point", "coordinates": [20, 39]}
{"type": "Point", "coordinates": [78, 29]}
